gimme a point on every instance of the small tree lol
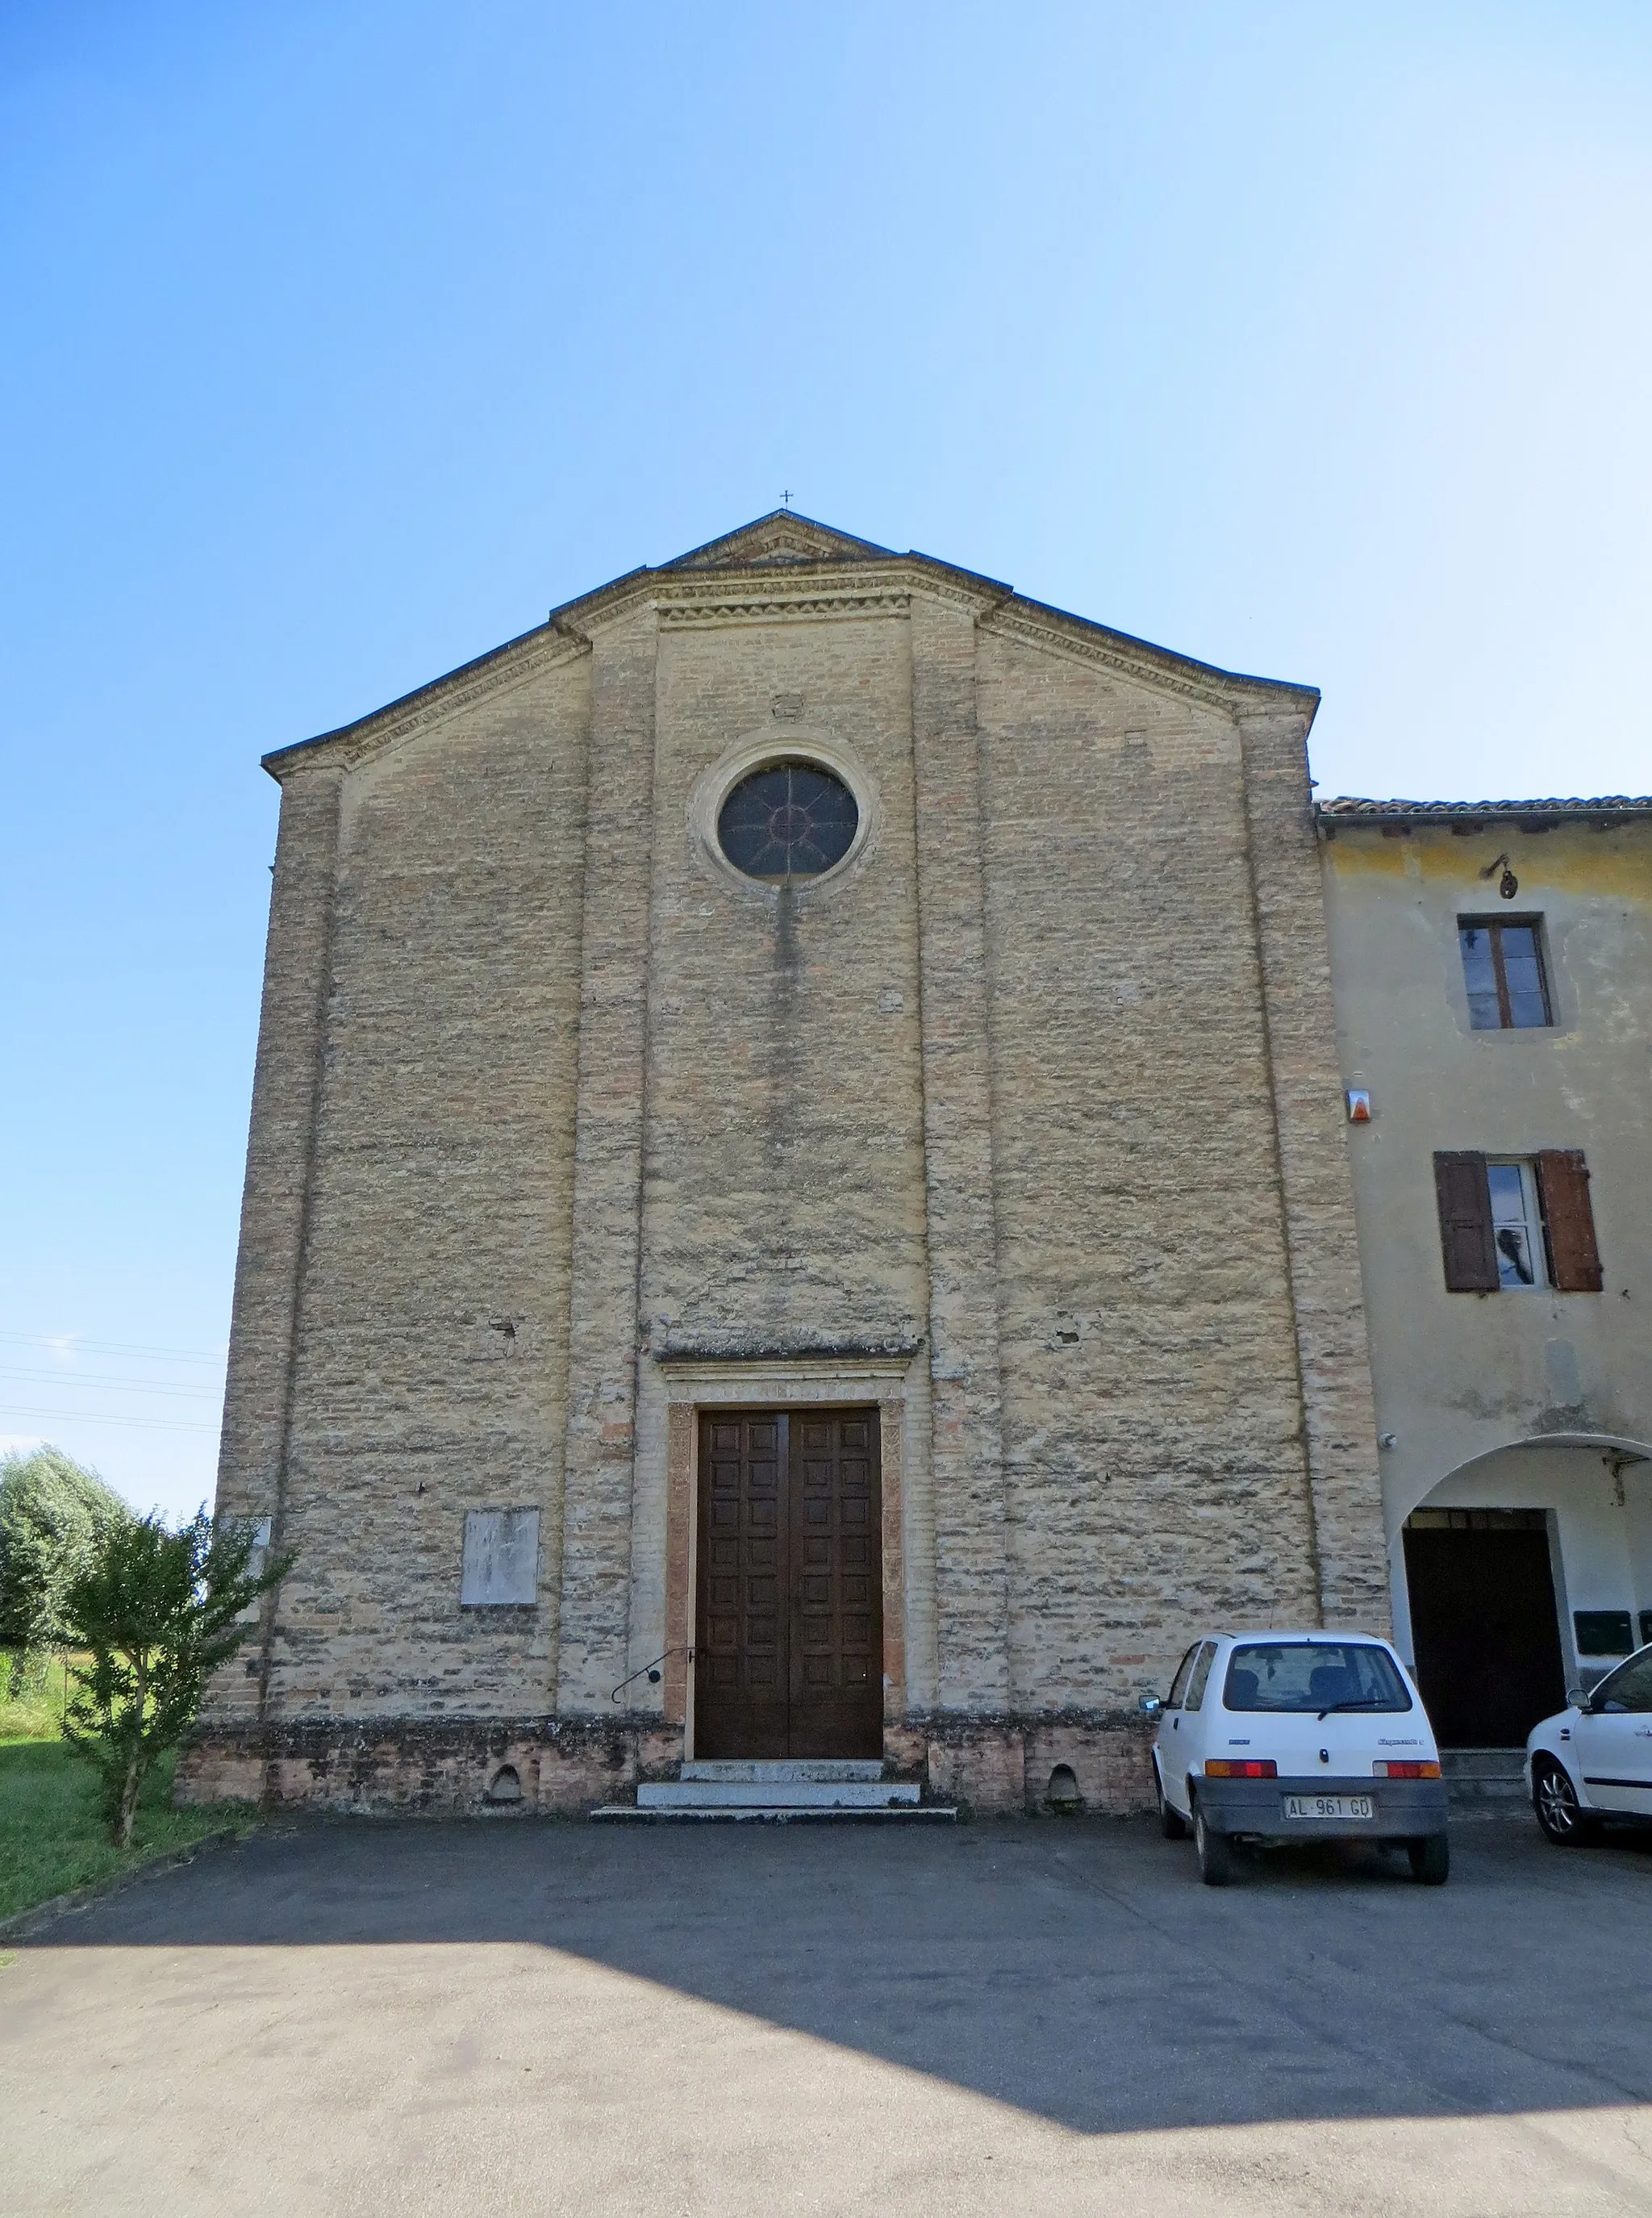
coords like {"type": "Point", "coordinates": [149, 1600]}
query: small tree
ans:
{"type": "Point", "coordinates": [53, 1517]}
{"type": "Point", "coordinates": [159, 1612]}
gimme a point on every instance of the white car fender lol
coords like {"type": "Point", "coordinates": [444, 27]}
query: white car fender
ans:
{"type": "Point", "coordinates": [1553, 1737]}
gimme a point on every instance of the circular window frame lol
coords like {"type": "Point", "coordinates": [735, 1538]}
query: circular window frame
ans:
{"type": "Point", "coordinates": [768, 749]}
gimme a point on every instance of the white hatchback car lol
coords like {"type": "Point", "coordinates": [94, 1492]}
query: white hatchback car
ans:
{"type": "Point", "coordinates": [1297, 1737]}
{"type": "Point", "coordinates": [1594, 1760]}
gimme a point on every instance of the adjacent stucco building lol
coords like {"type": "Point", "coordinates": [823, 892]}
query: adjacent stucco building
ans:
{"type": "Point", "coordinates": [1494, 984]}
{"type": "Point", "coordinates": [798, 1193]}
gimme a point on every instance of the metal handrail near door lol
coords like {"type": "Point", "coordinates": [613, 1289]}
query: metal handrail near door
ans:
{"type": "Point", "coordinates": [651, 1670]}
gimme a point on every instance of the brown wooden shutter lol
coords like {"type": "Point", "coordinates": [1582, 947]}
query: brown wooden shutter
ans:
{"type": "Point", "coordinates": [1465, 1233]}
{"type": "Point", "coordinates": [1564, 1186]}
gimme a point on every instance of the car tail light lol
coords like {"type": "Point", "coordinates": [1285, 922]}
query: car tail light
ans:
{"type": "Point", "coordinates": [1222, 1767]}
{"type": "Point", "coordinates": [1405, 1771]}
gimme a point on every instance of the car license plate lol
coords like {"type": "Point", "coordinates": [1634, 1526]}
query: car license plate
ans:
{"type": "Point", "coordinates": [1326, 1806]}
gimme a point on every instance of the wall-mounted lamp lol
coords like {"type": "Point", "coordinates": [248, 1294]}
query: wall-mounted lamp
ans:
{"type": "Point", "coordinates": [1508, 885]}
{"type": "Point", "coordinates": [1360, 1106]}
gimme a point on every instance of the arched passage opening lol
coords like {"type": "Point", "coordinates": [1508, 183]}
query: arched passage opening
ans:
{"type": "Point", "coordinates": [1524, 1573]}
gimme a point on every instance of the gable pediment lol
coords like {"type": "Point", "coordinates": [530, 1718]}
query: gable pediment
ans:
{"type": "Point", "coordinates": [776, 542]}
{"type": "Point", "coordinates": [779, 543]}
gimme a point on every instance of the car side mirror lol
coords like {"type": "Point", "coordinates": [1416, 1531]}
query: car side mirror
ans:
{"type": "Point", "coordinates": [1150, 1706]}
{"type": "Point", "coordinates": [1576, 1699]}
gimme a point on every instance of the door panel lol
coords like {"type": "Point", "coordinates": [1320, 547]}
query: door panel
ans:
{"type": "Point", "coordinates": [740, 1691]}
{"type": "Point", "coordinates": [1615, 1756]}
{"type": "Point", "coordinates": [1167, 1741]}
{"type": "Point", "coordinates": [1487, 1634]}
{"type": "Point", "coordinates": [788, 1652]}
{"type": "Point", "coordinates": [837, 1675]}
{"type": "Point", "coordinates": [1614, 1743]}
{"type": "Point", "coordinates": [1194, 1721]}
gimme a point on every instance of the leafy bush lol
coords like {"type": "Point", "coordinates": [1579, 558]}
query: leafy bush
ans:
{"type": "Point", "coordinates": [53, 1517]}
{"type": "Point", "coordinates": [27, 1670]}
{"type": "Point", "coordinates": [157, 1612]}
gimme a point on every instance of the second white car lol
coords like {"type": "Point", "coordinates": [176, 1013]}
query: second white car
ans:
{"type": "Point", "coordinates": [1592, 1760]}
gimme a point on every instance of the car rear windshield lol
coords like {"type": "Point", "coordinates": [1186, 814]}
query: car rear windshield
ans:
{"type": "Point", "coordinates": [1314, 1675]}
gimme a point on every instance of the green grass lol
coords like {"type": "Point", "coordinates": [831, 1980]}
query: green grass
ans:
{"type": "Point", "coordinates": [37, 1715]}
{"type": "Point", "coordinates": [52, 1839]}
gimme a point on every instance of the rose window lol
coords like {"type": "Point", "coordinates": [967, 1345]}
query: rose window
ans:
{"type": "Point", "coordinates": [790, 819]}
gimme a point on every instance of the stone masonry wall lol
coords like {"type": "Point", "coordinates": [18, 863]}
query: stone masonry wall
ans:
{"type": "Point", "coordinates": [1038, 1096]}
{"type": "Point", "coordinates": [430, 1353]}
{"type": "Point", "coordinates": [1153, 1413]}
{"type": "Point", "coordinates": [783, 1200]}
{"type": "Point", "coordinates": [257, 1401]}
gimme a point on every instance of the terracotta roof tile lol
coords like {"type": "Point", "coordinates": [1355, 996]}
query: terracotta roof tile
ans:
{"type": "Point", "coordinates": [1347, 806]}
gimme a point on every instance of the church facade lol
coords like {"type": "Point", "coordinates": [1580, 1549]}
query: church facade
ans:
{"type": "Point", "coordinates": [798, 1201]}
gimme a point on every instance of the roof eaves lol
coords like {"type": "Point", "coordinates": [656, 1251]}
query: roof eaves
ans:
{"type": "Point", "coordinates": [1183, 670]}
{"type": "Point", "coordinates": [1137, 657]}
{"type": "Point", "coordinates": [407, 704]}
{"type": "Point", "coordinates": [1348, 808]}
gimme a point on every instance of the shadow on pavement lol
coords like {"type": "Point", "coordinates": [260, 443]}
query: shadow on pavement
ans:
{"type": "Point", "coordinates": [1075, 1969]}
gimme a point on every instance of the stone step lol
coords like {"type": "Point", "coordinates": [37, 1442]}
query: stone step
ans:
{"type": "Point", "coordinates": [782, 1768]}
{"type": "Point", "coordinates": [1485, 1779]}
{"type": "Point", "coordinates": [769, 1814]}
{"type": "Point", "coordinates": [776, 1794]}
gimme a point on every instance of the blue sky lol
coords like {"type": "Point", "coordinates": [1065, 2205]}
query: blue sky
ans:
{"type": "Point", "coordinates": [342, 341]}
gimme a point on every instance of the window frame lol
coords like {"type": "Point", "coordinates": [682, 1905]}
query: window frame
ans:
{"type": "Point", "coordinates": [1183, 1673]}
{"type": "Point", "coordinates": [1326, 1644]}
{"type": "Point", "coordinates": [1495, 925]}
{"type": "Point", "coordinates": [1534, 1222]}
{"type": "Point", "coordinates": [786, 764]}
{"type": "Point", "coordinates": [1200, 1678]}
{"type": "Point", "coordinates": [1601, 1695]}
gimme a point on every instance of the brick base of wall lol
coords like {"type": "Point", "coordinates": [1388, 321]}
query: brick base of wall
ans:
{"type": "Point", "coordinates": [995, 1766]}
{"type": "Point", "coordinates": [999, 1766]}
{"type": "Point", "coordinates": [428, 1764]}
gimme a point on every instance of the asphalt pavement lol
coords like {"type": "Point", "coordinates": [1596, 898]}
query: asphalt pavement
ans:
{"type": "Point", "coordinates": [519, 2017]}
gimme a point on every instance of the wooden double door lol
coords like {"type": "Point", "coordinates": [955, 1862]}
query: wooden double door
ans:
{"type": "Point", "coordinates": [788, 1637]}
{"type": "Point", "coordinates": [1483, 1621]}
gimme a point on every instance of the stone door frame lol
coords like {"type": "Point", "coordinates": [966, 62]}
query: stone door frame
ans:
{"type": "Point", "coordinates": [784, 1383]}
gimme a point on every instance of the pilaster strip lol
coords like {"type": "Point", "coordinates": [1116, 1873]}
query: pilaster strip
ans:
{"type": "Point", "coordinates": [608, 1171]}
{"type": "Point", "coordinates": [972, 1594]}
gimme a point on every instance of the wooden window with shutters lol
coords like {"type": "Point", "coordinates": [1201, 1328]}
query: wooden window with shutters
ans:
{"type": "Point", "coordinates": [1512, 1223]}
{"type": "Point", "coordinates": [1569, 1221]}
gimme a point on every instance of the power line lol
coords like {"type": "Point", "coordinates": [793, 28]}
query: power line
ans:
{"type": "Point", "coordinates": [101, 1378]}
{"type": "Point", "coordinates": [72, 1417]}
{"type": "Point", "coordinates": [75, 1344]}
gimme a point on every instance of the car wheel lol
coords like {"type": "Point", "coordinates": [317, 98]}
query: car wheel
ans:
{"type": "Point", "coordinates": [1554, 1797]}
{"type": "Point", "coordinates": [1430, 1859]}
{"type": "Point", "coordinates": [1214, 1850]}
{"type": "Point", "coordinates": [1172, 1824]}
